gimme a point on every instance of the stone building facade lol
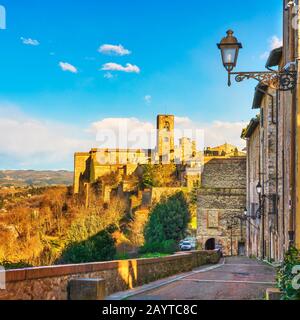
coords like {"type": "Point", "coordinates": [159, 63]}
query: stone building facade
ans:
{"type": "Point", "coordinates": [221, 203]}
{"type": "Point", "coordinates": [269, 164]}
{"type": "Point", "coordinates": [252, 134]}
{"type": "Point", "coordinates": [273, 155]}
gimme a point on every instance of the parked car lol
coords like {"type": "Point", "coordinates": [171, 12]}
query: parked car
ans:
{"type": "Point", "coordinates": [186, 246]}
{"type": "Point", "coordinates": [191, 240]}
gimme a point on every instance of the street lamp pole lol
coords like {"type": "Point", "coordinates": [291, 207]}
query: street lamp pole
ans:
{"type": "Point", "coordinates": [259, 190]}
{"type": "Point", "coordinates": [231, 241]}
{"type": "Point", "coordinates": [282, 80]}
{"type": "Point", "coordinates": [263, 225]}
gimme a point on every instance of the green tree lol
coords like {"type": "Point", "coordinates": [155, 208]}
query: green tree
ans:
{"type": "Point", "coordinates": [168, 220]}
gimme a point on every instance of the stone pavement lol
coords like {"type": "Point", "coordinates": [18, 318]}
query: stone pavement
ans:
{"type": "Point", "coordinates": [235, 278]}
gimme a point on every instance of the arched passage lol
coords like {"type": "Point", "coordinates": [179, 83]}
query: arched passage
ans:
{"type": "Point", "coordinates": [210, 244]}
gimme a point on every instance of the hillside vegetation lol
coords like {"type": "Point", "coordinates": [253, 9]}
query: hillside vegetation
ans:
{"type": "Point", "coordinates": [50, 225]}
{"type": "Point", "coordinates": [37, 230]}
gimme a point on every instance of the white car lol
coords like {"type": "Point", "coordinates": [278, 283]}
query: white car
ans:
{"type": "Point", "coordinates": [191, 240]}
{"type": "Point", "coordinates": [186, 246]}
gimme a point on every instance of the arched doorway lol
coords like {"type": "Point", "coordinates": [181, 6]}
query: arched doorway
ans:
{"type": "Point", "coordinates": [210, 244]}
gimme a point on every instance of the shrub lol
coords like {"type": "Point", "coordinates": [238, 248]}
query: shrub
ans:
{"type": "Point", "coordinates": [122, 256]}
{"type": "Point", "coordinates": [166, 247]}
{"type": "Point", "coordinates": [150, 248]}
{"type": "Point", "coordinates": [15, 265]}
{"type": "Point", "coordinates": [169, 246]}
{"type": "Point", "coordinates": [285, 275]}
{"type": "Point", "coordinates": [100, 247]}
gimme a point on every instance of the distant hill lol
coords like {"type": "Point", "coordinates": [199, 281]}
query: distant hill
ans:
{"type": "Point", "coordinates": [21, 178]}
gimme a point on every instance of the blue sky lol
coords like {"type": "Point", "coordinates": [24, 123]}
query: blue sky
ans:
{"type": "Point", "coordinates": [172, 44]}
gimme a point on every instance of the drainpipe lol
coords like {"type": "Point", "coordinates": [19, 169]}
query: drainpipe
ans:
{"type": "Point", "coordinates": [277, 160]}
{"type": "Point", "coordinates": [296, 216]}
{"type": "Point", "coordinates": [295, 143]}
{"type": "Point", "coordinates": [262, 208]}
{"type": "Point", "coordinates": [260, 234]}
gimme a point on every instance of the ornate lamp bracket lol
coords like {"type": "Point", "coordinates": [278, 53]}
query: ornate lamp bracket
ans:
{"type": "Point", "coordinates": [278, 80]}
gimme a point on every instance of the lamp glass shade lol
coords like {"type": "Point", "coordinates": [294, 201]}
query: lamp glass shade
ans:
{"type": "Point", "coordinates": [229, 47]}
{"type": "Point", "coordinates": [259, 188]}
{"type": "Point", "coordinates": [229, 56]}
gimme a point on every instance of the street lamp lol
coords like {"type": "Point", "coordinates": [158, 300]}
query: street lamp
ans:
{"type": "Point", "coordinates": [229, 47]}
{"type": "Point", "coordinates": [259, 188]}
{"type": "Point", "coordinates": [282, 80]}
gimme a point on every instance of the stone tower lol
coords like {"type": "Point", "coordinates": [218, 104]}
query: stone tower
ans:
{"type": "Point", "coordinates": [165, 138]}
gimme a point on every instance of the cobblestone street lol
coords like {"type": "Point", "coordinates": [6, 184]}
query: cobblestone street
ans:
{"type": "Point", "coordinates": [237, 278]}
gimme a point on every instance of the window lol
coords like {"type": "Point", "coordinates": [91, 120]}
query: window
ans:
{"type": "Point", "coordinates": [167, 126]}
{"type": "Point", "coordinates": [262, 117]}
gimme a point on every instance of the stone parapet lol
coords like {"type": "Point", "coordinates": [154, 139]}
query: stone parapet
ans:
{"type": "Point", "coordinates": [51, 282]}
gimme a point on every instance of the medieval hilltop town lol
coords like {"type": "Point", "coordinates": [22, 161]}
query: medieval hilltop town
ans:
{"type": "Point", "coordinates": [175, 220]}
{"type": "Point", "coordinates": [217, 173]}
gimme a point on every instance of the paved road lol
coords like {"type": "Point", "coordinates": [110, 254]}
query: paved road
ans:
{"type": "Point", "coordinates": [238, 278]}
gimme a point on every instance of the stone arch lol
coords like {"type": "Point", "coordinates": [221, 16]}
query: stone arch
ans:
{"type": "Point", "coordinates": [210, 244]}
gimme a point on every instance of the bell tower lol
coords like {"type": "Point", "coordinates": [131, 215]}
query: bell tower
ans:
{"type": "Point", "coordinates": [165, 138]}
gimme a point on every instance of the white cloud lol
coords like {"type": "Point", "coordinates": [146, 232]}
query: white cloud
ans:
{"type": "Point", "coordinates": [111, 49]}
{"type": "Point", "coordinates": [113, 132]}
{"type": "Point", "coordinates": [28, 142]}
{"type": "Point", "coordinates": [111, 66]}
{"type": "Point", "coordinates": [148, 98]}
{"type": "Point", "coordinates": [123, 133]}
{"type": "Point", "coordinates": [214, 133]}
{"type": "Point", "coordinates": [274, 43]}
{"type": "Point", "coordinates": [183, 121]}
{"type": "Point", "coordinates": [65, 66]}
{"type": "Point", "coordinates": [219, 132]}
{"type": "Point", "coordinates": [30, 42]}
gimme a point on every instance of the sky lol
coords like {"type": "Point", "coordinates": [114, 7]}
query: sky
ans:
{"type": "Point", "coordinates": [68, 68]}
